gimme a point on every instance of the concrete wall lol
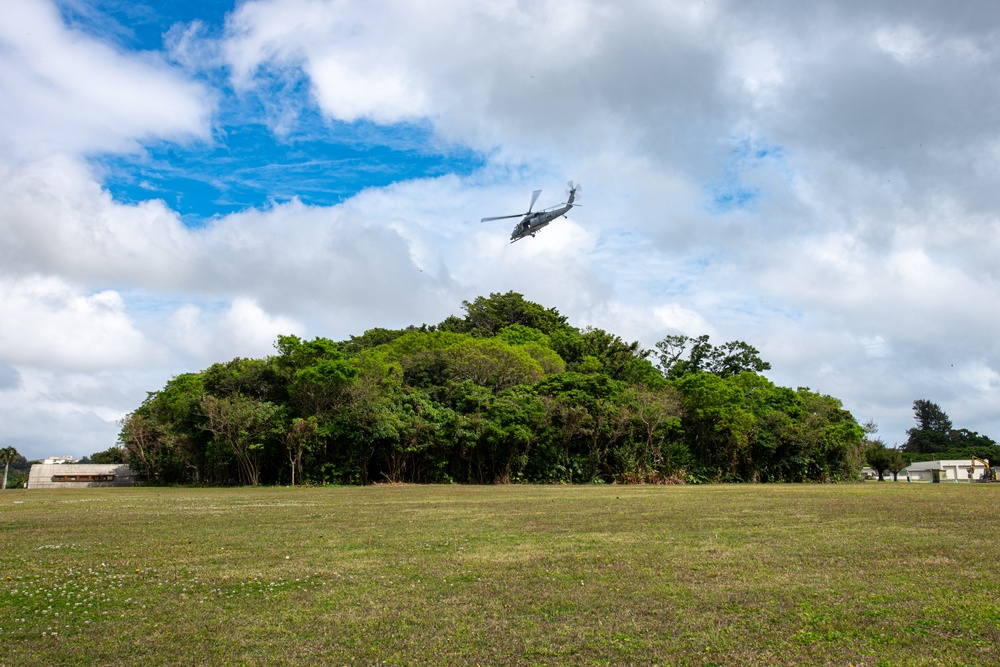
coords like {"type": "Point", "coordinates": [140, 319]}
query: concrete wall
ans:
{"type": "Point", "coordinates": [41, 475]}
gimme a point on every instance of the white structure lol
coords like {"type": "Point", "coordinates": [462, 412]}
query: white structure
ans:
{"type": "Point", "coordinates": [960, 470]}
{"type": "Point", "coordinates": [56, 460]}
{"type": "Point", "coordinates": [78, 475]}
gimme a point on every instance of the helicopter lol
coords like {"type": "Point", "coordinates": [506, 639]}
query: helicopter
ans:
{"type": "Point", "coordinates": [530, 222]}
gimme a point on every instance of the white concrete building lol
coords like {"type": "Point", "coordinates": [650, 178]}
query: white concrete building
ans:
{"type": "Point", "coordinates": [79, 475]}
{"type": "Point", "coordinates": [55, 460]}
{"type": "Point", "coordinates": [958, 470]}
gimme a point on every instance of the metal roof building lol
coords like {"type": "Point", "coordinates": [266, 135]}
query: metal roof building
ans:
{"type": "Point", "coordinates": [78, 475]}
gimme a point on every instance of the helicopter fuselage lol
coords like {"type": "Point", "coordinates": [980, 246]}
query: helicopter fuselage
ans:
{"type": "Point", "coordinates": [531, 223]}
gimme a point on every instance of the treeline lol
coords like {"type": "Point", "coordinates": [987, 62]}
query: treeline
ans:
{"type": "Point", "coordinates": [511, 392]}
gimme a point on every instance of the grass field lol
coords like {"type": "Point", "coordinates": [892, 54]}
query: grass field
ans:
{"type": "Point", "coordinates": [867, 574]}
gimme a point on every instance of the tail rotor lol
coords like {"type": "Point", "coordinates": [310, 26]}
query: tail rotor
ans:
{"type": "Point", "coordinates": [575, 190]}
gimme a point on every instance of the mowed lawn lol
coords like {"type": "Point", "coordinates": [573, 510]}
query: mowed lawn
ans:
{"type": "Point", "coordinates": [865, 574]}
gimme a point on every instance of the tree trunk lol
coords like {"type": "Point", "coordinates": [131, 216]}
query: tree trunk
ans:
{"type": "Point", "coordinates": [4, 485]}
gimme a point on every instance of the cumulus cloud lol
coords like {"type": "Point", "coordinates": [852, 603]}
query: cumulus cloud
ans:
{"type": "Point", "coordinates": [48, 323]}
{"type": "Point", "coordinates": [241, 329]}
{"type": "Point", "coordinates": [332, 47]}
{"type": "Point", "coordinates": [67, 413]}
{"type": "Point", "coordinates": [57, 220]}
{"type": "Point", "coordinates": [68, 92]}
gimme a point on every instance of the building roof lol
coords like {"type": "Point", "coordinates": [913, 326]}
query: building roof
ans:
{"type": "Point", "coordinates": [79, 475]}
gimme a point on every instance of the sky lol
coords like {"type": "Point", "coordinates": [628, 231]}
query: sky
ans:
{"type": "Point", "coordinates": [181, 182]}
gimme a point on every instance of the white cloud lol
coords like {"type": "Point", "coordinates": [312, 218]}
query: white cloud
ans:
{"type": "Point", "coordinates": [66, 91]}
{"type": "Point", "coordinates": [48, 323]}
{"type": "Point", "coordinates": [862, 262]}
{"type": "Point", "coordinates": [69, 413]}
{"type": "Point", "coordinates": [331, 44]}
{"type": "Point", "coordinates": [905, 43]}
{"type": "Point", "coordinates": [57, 220]}
{"type": "Point", "coordinates": [242, 329]}
{"type": "Point", "coordinates": [756, 65]}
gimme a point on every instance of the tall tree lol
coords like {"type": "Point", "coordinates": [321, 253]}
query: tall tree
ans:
{"type": "Point", "coordinates": [718, 424]}
{"type": "Point", "coordinates": [896, 463]}
{"type": "Point", "coordinates": [245, 425]}
{"type": "Point", "coordinates": [297, 439]}
{"type": "Point", "coordinates": [7, 456]}
{"type": "Point", "coordinates": [933, 430]}
{"type": "Point", "coordinates": [142, 438]}
{"type": "Point", "coordinates": [659, 410]}
{"type": "Point", "coordinates": [930, 416]}
{"type": "Point", "coordinates": [882, 458]}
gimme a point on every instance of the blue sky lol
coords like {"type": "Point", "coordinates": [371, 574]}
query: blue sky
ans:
{"type": "Point", "coordinates": [246, 163]}
{"type": "Point", "coordinates": [138, 25]}
{"type": "Point", "coordinates": [185, 181]}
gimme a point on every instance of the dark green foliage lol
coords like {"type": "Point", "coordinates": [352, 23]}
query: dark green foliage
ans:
{"type": "Point", "coordinates": [486, 316]}
{"type": "Point", "coordinates": [511, 392]}
{"type": "Point", "coordinates": [111, 455]}
{"type": "Point", "coordinates": [933, 430]}
{"type": "Point", "coordinates": [17, 472]}
{"type": "Point", "coordinates": [726, 360]}
{"type": "Point", "coordinates": [883, 459]}
{"type": "Point", "coordinates": [7, 456]}
{"type": "Point", "coordinates": [930, 416]}
{"type": "Point", "coordinates": [934, 438]}
{"type": "Point", "coordinates": [369, 339]}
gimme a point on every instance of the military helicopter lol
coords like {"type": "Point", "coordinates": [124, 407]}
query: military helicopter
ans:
{"type": "Point", "coordinates": [532, 222]}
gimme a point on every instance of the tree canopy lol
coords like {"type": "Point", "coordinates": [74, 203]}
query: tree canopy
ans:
{"type": "Point", "coordinates": [934, 437]}
{"type": "Point", "coordinates": [726, 360]}
{"type": "Point", "coordinates": [509, 392]}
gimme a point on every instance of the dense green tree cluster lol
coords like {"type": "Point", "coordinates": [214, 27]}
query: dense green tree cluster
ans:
{"type": "Point", "coordinates": [934, 437]}
{"type": "Point", "coordinates": [509, 392]}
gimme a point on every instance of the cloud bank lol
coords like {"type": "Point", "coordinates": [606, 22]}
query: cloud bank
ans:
{"type": "Point", "coordinates": [818, 180]}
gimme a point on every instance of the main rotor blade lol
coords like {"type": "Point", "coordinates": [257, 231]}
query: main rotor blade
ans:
{"type": "Point", "coordinates": [534, 198]}
{"type": "Point", "coordinates": [503, 217]}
